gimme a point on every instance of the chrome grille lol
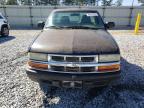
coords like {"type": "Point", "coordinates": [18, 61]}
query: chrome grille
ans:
{"type": "Point", "coordinates": [57, 58]}
{"type": "Point", "coordinates": [57, 68]}
{"type": "Point", "coordinates": [87, 59]}
{"type": "Point", "coordinates": [69, 63]}
{"type": "Point", "coordinates": [72, 69]}
{"type": "Point", "coordinates": [69, 58]}
{"type": "Point", "coordinates": [88, 69]}
{"type": "Point", "coordinates": [72, 59]}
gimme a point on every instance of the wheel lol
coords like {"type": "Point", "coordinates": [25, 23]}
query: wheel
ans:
{"type": "Point", "coordinates": [4, 31]}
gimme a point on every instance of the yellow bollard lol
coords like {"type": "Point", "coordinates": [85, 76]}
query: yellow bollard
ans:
{"type": "Point", "coordinates": [137, 23]}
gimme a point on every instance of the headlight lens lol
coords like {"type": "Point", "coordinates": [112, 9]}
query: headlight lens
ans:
{"type": "Point", "coordinates": [38, 56]}
{"type": "Point", "coordinates": [37, 65]}
{"type": "Point", "coordinates": [109, 58]}
{"type": "Point", "coordinates": [115, 67]}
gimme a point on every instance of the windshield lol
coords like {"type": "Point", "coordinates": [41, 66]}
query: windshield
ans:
{"type": "Point", "coordinates": [75, 19]}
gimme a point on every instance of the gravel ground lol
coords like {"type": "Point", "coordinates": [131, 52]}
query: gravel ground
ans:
{"type": "Point", "coordinates": [17, 91]}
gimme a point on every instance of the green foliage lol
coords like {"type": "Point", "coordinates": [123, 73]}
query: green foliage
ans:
{"type": "Point", "coordinates": [66, 2]}
{"type": "Point", "coordinates": [46, 2]}
{"type": "Point", "coordinates": [80, 1]}
{"type": "Point", "coordinates": [11, 2]}
{"type": "Point", "coordinates": [142, 2]}
{"type": "Point", "coordinates": [39, 2]}
{"type": "Point", "coordinates": [107, 2]}
{"type": "Point", "coordinates": [119, 2]}
{"type": "Point", "coordinates": [2, 2]}
{"type": "Point", "coordinates": [69, 2]}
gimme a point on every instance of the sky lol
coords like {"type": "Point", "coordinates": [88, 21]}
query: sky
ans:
{"type": "Point", "coordinates": [129, 3]}
{"type": "Point", "coordinates": [126, 2]}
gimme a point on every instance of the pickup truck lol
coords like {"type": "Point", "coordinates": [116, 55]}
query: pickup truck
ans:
{"type": "Point", "coordinates": [74, 50]}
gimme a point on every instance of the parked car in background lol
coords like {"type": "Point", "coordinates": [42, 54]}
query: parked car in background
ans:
{"type": "Point", "coordinates": [74, 50]}
{"type": "Point", "coordinates": [4, 26]}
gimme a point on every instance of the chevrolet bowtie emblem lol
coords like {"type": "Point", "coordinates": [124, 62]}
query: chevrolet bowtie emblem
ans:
{"type": "Point", "coordinates": [72, 65]}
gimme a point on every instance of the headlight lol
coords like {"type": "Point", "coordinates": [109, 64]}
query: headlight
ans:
{"type": "Point", "coordinates": [38, 56]}
{"type": "Point", "coordinates": [109, 58]}
{"type": "Point", "coordinates": [37, 65]}
{"type": "Point", "coordinates": [114, 67]}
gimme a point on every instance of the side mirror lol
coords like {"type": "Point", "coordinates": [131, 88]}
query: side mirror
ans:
{"type": "Point", "coordinates": [41, 24]}
{"type": "Point", "coordinates": [109, 25]}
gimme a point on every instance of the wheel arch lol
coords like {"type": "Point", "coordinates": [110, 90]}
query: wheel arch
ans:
{"type": "Point", "coordinates": [4, 25]}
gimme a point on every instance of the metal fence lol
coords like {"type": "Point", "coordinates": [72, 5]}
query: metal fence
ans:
{"type": "Point", "coordinates": [28, 16]}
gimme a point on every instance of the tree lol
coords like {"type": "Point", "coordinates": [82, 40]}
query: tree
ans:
{"type": "Point", "coordinates": [81, 2]}
{"type": "Point", "coordinates": [11, 2]}
{"type": "Point", "coordinates": [26, 2]}
{"type": "Point", "coordinates": [92, 2]}
{"type": "Point", "coordinates": [2, 2]}
{"type": "Point", "coordinates": [46, 2]}
{"type": "Point", "coordinates": [97, 2]}
{"type": "Point", "coordinates": [142, 2]}
{"type": "Point", "coordinates": [38, 2]}
{"type": "Point", "coordinates": [119, 2]}
{"type": "Point", "coordinates": [69, 2]}
{"type": "Point", "coordinates": [107, 2]}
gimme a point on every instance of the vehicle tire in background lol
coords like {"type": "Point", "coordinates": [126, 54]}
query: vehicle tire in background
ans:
{"type": "Point", "coordinates": [5, 31]}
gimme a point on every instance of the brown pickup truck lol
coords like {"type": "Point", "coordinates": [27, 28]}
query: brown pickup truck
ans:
{"type": "Point", "coordinates": [74, 50]}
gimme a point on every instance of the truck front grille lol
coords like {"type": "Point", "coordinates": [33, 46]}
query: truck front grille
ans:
{"type": "Point", "coordinates": [57, 68]}
{"type": "Point", "coordinates": [68, 63]}
{"type": "Point", "coordinates": [72, 69]}
{"type": "Point", "coordinates": [88, 69]}
{"type": "Point", "coordinates": [57, 58]}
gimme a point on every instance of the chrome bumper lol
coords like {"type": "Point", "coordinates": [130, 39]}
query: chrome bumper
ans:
{"type": "Point", "coordinates": [68, 64]}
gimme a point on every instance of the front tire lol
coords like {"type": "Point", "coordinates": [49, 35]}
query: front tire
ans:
{"type": "Point", "coordinates": [5, 31]}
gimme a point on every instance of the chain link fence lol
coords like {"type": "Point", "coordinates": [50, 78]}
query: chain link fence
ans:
{"type": "Point", "coordinates": [28, 16]}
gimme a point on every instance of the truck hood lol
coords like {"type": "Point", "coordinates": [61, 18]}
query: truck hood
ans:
{"type": "Point", "coordinates": [74, 41]}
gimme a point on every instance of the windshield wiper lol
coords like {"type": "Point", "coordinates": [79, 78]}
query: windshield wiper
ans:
{"type": "Point", "coordinates": [81, 27]}
{"type": "Point", "coordinates": [55, 27]}
{"type": "Point", "coordinates": [73, 27]}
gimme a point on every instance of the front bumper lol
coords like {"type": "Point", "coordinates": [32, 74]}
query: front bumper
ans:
{"type": "Point", "coordinates": [72, 79]}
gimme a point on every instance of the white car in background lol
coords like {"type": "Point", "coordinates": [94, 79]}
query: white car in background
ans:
{"type": "Point", "coordinates": [4, 26]}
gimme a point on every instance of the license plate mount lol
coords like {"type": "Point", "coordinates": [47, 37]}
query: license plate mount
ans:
{"type": "Point", "coordinates": [72, 84]}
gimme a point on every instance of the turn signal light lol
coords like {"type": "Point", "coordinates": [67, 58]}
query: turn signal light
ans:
{"type": "Point", "coordinates": [114, 67]}
{"type": "Point", "coordinates": [37, 65]}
